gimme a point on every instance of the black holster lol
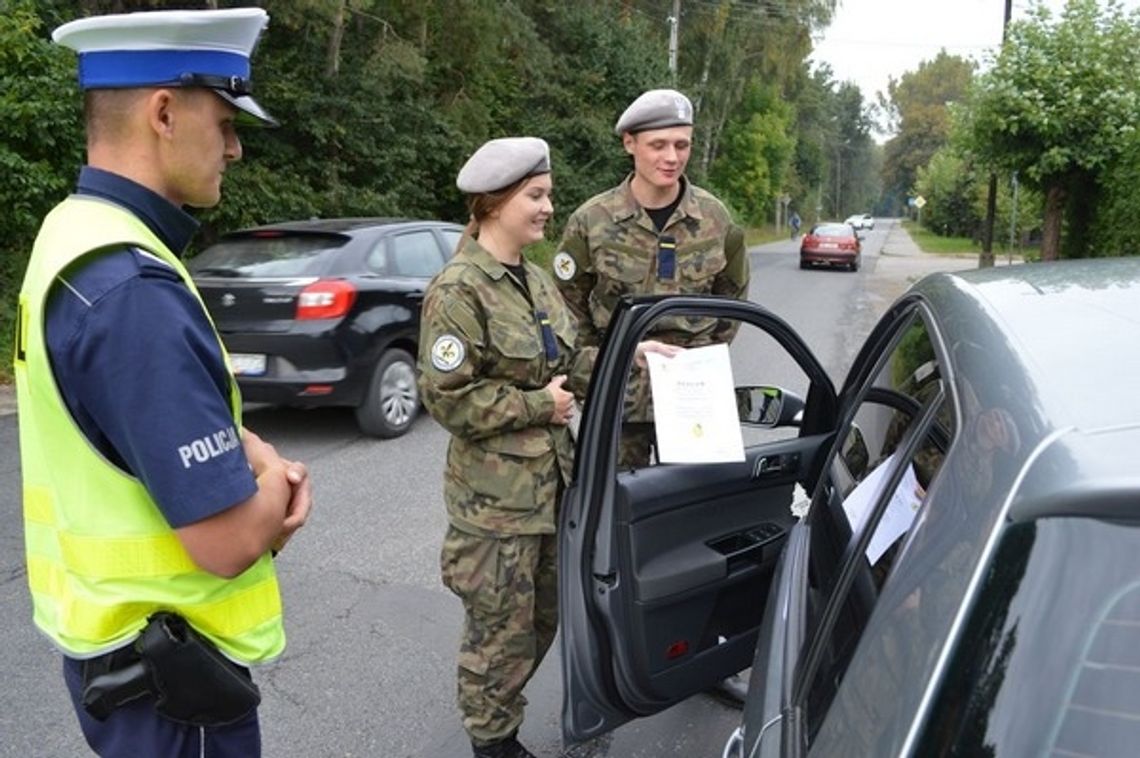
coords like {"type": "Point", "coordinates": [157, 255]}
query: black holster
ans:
{"type": "Point", "coordinates": [191, 681]}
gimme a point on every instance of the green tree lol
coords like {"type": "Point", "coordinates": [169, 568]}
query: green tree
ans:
{"type": "Point", "coordinates": [917, 107]}
{"type": "Point", "coordinates": [1117, 231]}
{"type": "Point", "coordinates": [380, 101]}
{"type": "Point", "coordinates": [41, 143]}
{"type": "Point", "coordinates": [756, 149]}
{"type": "Point", "coordinates": [730, 45]}
{"type": "Point", "coordinates": [1059, 107]}
{"type": "Point", "coordinates": [852, 185]}
{"type": "Point", "coordinates": [950, 186]}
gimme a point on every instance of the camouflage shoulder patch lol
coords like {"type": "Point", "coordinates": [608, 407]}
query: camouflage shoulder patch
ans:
{"type": "Point", "coordinates": [565, 266]}
{"type": "Point", "coordinates": [447, 352]}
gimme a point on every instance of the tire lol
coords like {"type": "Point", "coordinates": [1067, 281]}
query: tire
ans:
{"type": "Point", "coordinates": [805, 265]}
{"type": "Point", "coordinates": [393, 401]}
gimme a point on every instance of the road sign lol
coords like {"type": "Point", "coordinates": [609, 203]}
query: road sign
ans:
{"type": "Point", "coordinates": [919, 201]}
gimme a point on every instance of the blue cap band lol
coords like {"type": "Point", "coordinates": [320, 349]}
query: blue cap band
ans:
{"type": "Point", "coordinates": [111, 69]}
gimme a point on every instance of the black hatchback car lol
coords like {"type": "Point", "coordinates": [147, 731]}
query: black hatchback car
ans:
{"type": "Point", "coordinates": [326, 312]}
{"type": "Point", "coordinates": [941, 558]}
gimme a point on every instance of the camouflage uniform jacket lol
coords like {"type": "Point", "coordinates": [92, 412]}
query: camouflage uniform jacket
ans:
{"type": "Point", "coordinates": [485, 360]}
{"type": "Point", "coordinates": [609, 249]}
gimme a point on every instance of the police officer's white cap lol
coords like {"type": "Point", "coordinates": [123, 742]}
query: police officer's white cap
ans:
{"type": "Point", "coordinates": [656, 109]}
{"type": "Point", "coordinates": [204, 48]}
{"type": "Point", "coordinates": [502, 162]}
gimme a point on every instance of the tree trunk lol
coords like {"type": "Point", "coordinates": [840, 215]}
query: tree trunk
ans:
{"type": "Point", "coordinates": [1054, 212]}
{"type": "Point", "coordinates": [986, 259]}
{"type": "Point", "coordinates": [332, 64]}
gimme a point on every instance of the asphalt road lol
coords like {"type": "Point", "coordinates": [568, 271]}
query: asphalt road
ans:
{"type": "Point", "coordinates": [370, 668]}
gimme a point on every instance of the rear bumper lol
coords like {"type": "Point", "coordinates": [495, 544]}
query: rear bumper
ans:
{"type": "Point", "coordinates": [828, 257]}
{"type": "Point", "coordinates": [307, 390]}
{"type": "Point", "coordinates": [301, 370]}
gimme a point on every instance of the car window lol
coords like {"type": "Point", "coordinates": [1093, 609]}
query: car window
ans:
{"type": "Point", "coordinates": [451, 239]}
{"type": "Point", "coordinates": [414, 254]}
{"type": "Point", "coordinates": [756, 359]}
{"type": "Point", "coordinates": [1048, 662]}
{"type": "Point", "coordinates": [268, 254]}
{"type": "Point", "coordinates": [833, 230]}
{"type": "Point", "coordinates": [887, 457]}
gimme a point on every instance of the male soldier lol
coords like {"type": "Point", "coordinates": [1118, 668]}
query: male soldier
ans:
{"type": "Point", "coordinates": [655, 233]}
{"type": "Point", "coordinates": [150, 514]}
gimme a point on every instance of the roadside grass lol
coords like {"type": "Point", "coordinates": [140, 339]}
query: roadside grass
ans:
{"type": "Point", "coordinates": [929, 242]}
{"type": "Point", "coordinates": [758, 235]}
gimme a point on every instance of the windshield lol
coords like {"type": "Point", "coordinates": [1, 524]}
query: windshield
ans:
{"type": "Point", "coordinates": [832, 230]}
{"type": "Point", "coordinates": [268, 255]}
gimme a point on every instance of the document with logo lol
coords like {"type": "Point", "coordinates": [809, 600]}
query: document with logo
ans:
{"type": "Point", "coordinates": [900, 512]}
{"type": "Point", "coordinates": [694, 406]}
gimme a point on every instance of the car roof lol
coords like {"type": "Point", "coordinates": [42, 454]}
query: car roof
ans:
{"type": "Point", "coordinates": [339, 225]}
{"type": "Point", "coordinates": [1057, 347]}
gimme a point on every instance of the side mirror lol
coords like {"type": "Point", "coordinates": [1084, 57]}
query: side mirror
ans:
{"type": "Point", "coordinates": [768, 407]}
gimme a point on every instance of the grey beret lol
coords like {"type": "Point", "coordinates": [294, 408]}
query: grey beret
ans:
{"type": "Point", "coordinates": [656, 109]}
{"type": "Point", "coordinates": [502, 162]}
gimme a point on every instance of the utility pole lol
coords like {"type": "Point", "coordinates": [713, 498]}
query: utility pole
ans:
{"type": "Point", "coordinates": [1013, 220]}
{"type": "Point", "coordinates": [986, 260]}
{"type": "Point", "coordinates": [674, 24]}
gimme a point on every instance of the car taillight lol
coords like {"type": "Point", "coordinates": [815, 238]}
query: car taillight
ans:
{"type": "Point", "coordinates": [327, 298]}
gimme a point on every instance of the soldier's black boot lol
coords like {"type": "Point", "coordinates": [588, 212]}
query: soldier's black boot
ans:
{"type": "Point", "coordinates": [505, 748]}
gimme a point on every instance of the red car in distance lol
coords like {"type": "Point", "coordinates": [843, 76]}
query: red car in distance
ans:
{"type": "Point", "coordinates": [833, 244]}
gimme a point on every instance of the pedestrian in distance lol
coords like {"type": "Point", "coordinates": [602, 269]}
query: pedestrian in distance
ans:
{"type": "Point", "coordinates": [795, 223]}
{"type": "Point", "coordinates": [655, 233]}
{"type": "Point", "coordinates": [499, 370]}
{"type": "Point", "coordinates": [151, 516]}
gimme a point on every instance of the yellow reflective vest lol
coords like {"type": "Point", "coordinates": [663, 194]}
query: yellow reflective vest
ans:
{"type": "Point", "coordinates": [101, 557]}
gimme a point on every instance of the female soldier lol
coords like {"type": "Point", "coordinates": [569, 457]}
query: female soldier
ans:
{"type": "Point", "coordinates": [496, 369]}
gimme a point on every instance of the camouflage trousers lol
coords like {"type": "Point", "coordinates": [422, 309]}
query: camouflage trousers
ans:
{"type": "Point", "coordinates": [509, 588]}
{"type": "Point", "coordinates": [637, 439]}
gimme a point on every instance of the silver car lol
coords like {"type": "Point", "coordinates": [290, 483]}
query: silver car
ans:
{"type": "Point", "coordinates": [941, 558]}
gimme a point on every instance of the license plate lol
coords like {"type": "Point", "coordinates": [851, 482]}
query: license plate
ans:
{"type": "Point", "coordinates": [829, 246]}
{"type": "Point", "coordinates": [247, 364]}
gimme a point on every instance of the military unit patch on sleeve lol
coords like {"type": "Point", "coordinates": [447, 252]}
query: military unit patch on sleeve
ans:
{"type": "Point", "coordinates": [447, 352]}
{"type": "Point", "coordinates": [564, 266]}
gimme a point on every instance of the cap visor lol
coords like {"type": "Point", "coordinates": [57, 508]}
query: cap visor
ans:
{"type": "Point", "coordinates": [248, 106]}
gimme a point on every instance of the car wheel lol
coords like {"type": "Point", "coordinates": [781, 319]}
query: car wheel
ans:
{"type": "Point", "coordinates": [854, 265]}
{"type": "Point", "coordinates": [805, 264]}
{"type": "Point", "coordinates": [392, 401]}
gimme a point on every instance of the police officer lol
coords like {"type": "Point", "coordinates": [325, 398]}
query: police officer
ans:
{"type": "Point", "coordinates": [147, 506]}
{"type": "Point", "coordinates": [654, 233]}
{"type": "Point", "coordinates": [497, 368]}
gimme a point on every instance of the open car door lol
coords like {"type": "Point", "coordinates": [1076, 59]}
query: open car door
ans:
{"type": "Point", "coordinates": [664, 571]}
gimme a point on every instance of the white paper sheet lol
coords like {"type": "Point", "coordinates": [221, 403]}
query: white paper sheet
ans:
{"type": "Point", "coordinates": [694, 406]}
{"type": "Point", "coordinates": [900, 510]}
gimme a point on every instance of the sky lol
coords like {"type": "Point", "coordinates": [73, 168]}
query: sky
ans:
{"type": "Point", "coordinates": [869, 41]}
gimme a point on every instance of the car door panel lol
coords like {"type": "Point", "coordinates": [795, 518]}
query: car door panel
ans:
{"type": "Point", "coordinates": [689, 526]}
{"type": "Point", "coordinates": [701, 543]}
{"type": "Point", "coordinates": [664, 571]}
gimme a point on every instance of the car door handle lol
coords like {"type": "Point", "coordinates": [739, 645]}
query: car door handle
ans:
{"type": "Point", "coordinates": [734, 748]}
{"type": "Point", "coordinates": [774, 465]}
